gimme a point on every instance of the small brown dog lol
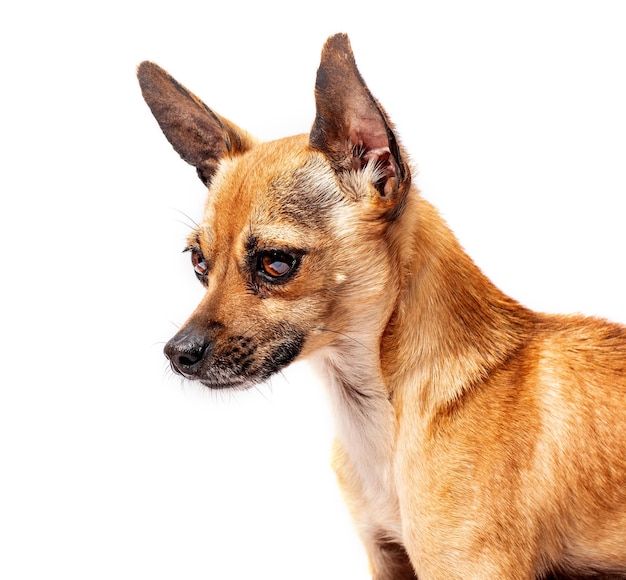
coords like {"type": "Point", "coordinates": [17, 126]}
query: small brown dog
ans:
{"type": "Point", "coordinates": [476, 439]}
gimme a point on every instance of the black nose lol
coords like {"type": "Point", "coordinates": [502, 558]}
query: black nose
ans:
{"type": "Point", "coordinates": [187, 350]}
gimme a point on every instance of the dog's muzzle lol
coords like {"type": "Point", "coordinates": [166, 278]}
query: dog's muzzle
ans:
{"type": "Point", "coordinates": [219, 360]}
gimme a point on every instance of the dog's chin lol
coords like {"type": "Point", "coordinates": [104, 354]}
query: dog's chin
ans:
{"type": "Point", "coordinates": [221, 380]}
{"type": "Point", "coordinates": [235, 384]}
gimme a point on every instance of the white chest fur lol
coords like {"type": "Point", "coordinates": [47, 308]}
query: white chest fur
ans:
{"type": "Point", "coordinates": [366, 426]}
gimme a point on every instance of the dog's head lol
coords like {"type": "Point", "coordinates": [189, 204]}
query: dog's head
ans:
{"type": "Point", "coordinates": [292, 248]}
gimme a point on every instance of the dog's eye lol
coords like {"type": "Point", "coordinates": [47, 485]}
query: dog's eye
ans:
{"type": "Point", "coordinates": [276, 264]}
{"type": "Point", "coordinates": [200, 266]}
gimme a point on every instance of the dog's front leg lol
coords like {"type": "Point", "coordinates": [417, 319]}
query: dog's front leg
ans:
{"type": "Point", "coordinates": [389, 561]}
{"type": "Point", "coordinates": [387, 558]}
{"type": "Point", "coordinates": [452, 529]}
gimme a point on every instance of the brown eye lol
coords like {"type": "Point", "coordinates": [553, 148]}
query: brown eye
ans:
{"type": "Point", "coordinates": [275, 264]}
{"type": "Point", "coordinates": [199, 264]}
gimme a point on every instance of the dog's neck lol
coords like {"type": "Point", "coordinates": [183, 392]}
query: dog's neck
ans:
{"type": "Point", "coordinates": [359, 397]}
{"type": "Point", "coordinates": [450, 326]}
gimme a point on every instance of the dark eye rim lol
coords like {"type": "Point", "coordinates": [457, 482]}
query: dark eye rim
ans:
{"type": "Point", "coordinates": [289, 257]}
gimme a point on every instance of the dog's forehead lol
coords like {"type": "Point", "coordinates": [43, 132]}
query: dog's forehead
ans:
{"type": "Point", "coordinates": [281, 182]}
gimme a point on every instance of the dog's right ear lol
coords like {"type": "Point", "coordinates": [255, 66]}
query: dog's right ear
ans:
{"type": "Point", "coordinates": [200, 136]}
{"type": "Point", "coordinates": [352, 129]}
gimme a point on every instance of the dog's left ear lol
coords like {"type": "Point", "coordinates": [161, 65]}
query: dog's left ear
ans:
{"type": "Point", "coordinates": [351, 128]}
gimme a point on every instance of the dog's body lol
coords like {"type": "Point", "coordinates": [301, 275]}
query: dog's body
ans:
{"type": "Point", "coordinates": [476, 439]}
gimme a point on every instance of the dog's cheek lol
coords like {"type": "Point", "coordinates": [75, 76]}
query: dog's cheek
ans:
{"type": "Point", "coordinates": [299, 323]}
{"type": "Point", "coordinates": [286, 350]}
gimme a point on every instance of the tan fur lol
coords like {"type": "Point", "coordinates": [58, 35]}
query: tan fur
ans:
{"type": "Point", "coordinates": [475, 438]}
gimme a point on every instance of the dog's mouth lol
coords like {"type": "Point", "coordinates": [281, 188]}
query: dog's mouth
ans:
{"type": "Point", "coordinates": [238, 362]}
{"type": "Point", "coordinates": [212, 377]}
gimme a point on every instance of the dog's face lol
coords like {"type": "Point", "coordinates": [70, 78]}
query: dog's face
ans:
{"type": "Point", "coordinates": [291, 248]}
{"type": "Point", "coordinates": [273, 278]}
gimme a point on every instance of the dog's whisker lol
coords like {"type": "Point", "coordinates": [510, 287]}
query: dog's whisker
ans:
{"type": "Point", "coordinates": [284, 376]}
{"type": "Point", "coordinates": [259, 390]}
{"type": "Point", "coordinates": [169, 373]}
{"type": "Point", "coordinates": [345, 335]}
{"type": "Point", "coordinates": [195, 225]}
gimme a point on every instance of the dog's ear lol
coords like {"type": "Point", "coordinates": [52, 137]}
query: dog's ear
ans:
{"type": "Point", "coordinates": [199, 135]}
{"type": "Point", "coordinates": [351, 128]}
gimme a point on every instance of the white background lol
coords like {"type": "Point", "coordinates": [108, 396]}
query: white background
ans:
{"type": "Point", "coordinates": [111, 468]}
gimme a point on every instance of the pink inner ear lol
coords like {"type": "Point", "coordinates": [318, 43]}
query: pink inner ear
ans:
{"type": "Point", "coordinates": [367, 131]}
{"type": "Point", "coordinates": [370, 142]}
{"type": "Point", "coordinates": [372, 147]}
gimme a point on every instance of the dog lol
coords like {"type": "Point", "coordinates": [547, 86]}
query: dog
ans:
{"type": "Point", "coordinates": [476, 439]}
